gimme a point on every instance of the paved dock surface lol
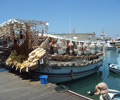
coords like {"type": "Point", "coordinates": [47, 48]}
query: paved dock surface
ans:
{"type": "Point", "coordinates": [15, 87]}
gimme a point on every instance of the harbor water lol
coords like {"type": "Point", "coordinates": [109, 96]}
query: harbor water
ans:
{"type": "Point", "coordinates": [103, 75]}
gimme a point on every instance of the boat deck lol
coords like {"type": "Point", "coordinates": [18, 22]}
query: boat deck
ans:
{"type": "Point", "coordinates": [14, 86]}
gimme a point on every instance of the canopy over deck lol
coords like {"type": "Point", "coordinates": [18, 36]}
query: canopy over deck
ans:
{"type": "Point", "coordinates": [23, 21]}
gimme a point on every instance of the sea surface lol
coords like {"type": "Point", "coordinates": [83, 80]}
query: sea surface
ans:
{"type": "Point", "coordinates": [103, 75]}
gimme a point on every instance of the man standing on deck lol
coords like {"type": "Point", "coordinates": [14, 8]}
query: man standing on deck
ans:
{"type": "Point", "coordinates": [15, 45]}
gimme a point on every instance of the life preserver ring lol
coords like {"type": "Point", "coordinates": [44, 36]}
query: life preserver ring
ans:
{"type": "Point", "coordinates": [83, 49]}
{"type": "Point", "coordinates": [112, 40]}
{"type": "Point", "coordinates": [51, 41]}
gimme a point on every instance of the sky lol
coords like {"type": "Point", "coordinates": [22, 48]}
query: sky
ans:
{"type": "Point", "coordinates": [85, 16]}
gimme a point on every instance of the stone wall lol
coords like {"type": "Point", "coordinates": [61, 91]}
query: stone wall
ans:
{"type": "Point", "coordinates": [78, 36]}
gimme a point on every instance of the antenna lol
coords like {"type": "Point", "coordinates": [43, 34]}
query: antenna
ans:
{"type": "Point", "coordinates": [74, 30]}
{"type": "Point", "coordinates": [70, 26]}
{"type": "Point", "coordinates": [102, 30]}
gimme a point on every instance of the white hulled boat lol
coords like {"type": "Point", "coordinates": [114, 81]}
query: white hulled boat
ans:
{"type": "Point", "coordinates": [118, 49]}
{"type": "Point", "coordinates": [115, 67]}
{"type": "Point", "coordinates": [111, 45]}
{"type": "Point", "coordinates": [66, 64]}
{"type": "Point", "coordinates": [118, 44]}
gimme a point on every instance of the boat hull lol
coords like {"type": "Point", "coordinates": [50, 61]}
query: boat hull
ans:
{"type": "Point", "coordinates": [111, 45]}
{"type": "Point", "coordinates": [63, 74]}
{"type": "Point", "coordinates": [111, 48]}
{"type": "Point", "coordinates": [114, 94]}
{"type": "Point", "coordinates": [114, 68]}
{"type": "Point", "coordinates": [118, 49]}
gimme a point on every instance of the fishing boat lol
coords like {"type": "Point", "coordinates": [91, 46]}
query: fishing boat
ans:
{"type": "Point", "coordinates": [115, 68]}
{"type": "Point", "coordinates": [71, 63]}
{"type": "Point", "coordinates": [61, 59]}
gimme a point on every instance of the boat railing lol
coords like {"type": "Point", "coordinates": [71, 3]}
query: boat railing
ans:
{"type": "Point", "coordinates": [67, 57]}
{"type": "Point", "coordinates": [75, 62]}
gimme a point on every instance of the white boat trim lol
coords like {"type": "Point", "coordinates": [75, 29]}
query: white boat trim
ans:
{"type": "Point", "coordinates": [114, 68]}
{"type": "Point", "coordinates": [60, 74]}
{"type": "Point", "coordinates": [87, 98]}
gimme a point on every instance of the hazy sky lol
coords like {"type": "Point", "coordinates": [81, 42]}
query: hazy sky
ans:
{"type": "Point", "coordinates": [65, 15]}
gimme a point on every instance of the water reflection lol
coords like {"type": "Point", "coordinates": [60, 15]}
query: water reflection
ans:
{"type": "Point", "coordinates": [111, 56]}
{"type": "Point", "coordinates": [113, 75]}
{"type": "Point", "coordinates": [85, 84]}
{"type": "Point", "coordinates": [103, 75]}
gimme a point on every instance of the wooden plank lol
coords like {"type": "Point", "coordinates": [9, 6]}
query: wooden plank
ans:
{"type": "Point", "coordinates": [12, 87]}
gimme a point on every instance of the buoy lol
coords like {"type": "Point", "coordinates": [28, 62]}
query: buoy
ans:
{"type": "Point", "coordinates": [51, 41]}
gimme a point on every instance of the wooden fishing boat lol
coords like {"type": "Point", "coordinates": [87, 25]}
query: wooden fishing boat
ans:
{"type": "Point", "coordinates": [61, 59]}
{"type": "Point", "coordinates": [65, 72]}
{"type": "Point", "coordinates": [62, 68]}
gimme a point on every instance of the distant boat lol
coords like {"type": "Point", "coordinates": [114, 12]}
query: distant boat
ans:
{"type": "Point", "coordinates": [111, 45]}
{"type": "Point", "coordinates": [118, 49]}
{"type": "Point", "coordinates": [118, 45]}
{"type": "Point", "coordinates": [115, 68]}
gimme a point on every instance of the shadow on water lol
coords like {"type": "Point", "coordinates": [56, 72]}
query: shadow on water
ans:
{"type": "Point", "coordinates": [113, 75]}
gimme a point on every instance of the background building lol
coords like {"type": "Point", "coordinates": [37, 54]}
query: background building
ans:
{"type": "Point", "coordinates": [77, 36]}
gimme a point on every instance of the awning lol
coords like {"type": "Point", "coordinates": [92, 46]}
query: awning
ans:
{"type": "Point", "coordinates": [24, 21]}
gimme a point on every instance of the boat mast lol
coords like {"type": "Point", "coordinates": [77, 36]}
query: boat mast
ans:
{"type": "Point", "coordinates": [70, 43]}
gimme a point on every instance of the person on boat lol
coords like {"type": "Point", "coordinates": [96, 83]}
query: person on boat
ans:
{"type": "Point", "coordinates": [15, 45]}
{"type": "Point", "coordinates": [51, 50]}
{"type": "Point", "coordinates": [101, 89]}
